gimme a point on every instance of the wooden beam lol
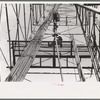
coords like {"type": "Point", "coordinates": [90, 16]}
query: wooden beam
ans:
{"type": "Point", "coordinates": [77, 58]}
{"type": "Point", "coordinates": [24, 62]}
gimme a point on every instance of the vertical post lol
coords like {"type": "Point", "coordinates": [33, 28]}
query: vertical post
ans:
{"type": "Point", "coordinates": [18, 28]}
{"type": "Point", "coordinates": [32, 6]}
{"type": "Point", "coordinates": [92, 69]}
{"type": "Point", "coordinates": [40, 62]}
{"type": "Point", "coordinates": [8, 32]}
{"type": "Point", "coordinates": [54, 59]}
{"type": "Point", "coordinates": [94, 35]}
{"type": "Point", "coordinates": [99, 40]}
{"type": "Point", "coordinates": [82, 16]}
{"type": "Point", "coordinates": [89, 20]}
{"type": "Point", "coordinates": [36, 12]}
{"type": "Point", "coordinates": [66, 62]}
{"type": "Point", "coordinates": [31, 17]}
{"type": "Point", "coordinates": [40, 10]}
{"type": "Point", "coordinates": [13, 44]}
{"type": "Point", "coordinates": [76, 18]}
{"type": "Point", "coordinates": [94, 23]}
{"type": "Point", "coordinates": [44, 11]}
{"type": "Point", "coordinates": [66, 21]}
{"type": "Point", "coordinates": [1, 12]}
{"type": "Point", "coordinates": [24, 22]}
{"type": "Point", "coordinates": [71, 48]}
{"type": "Point", "coordinates": [85, 19]}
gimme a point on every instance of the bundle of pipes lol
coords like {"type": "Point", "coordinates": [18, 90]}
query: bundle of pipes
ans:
{"type": "Point", "coordinates": [23, 64]}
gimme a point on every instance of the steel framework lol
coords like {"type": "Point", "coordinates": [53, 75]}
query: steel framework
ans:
{"type": "Point", "coordinates": [29, 45]}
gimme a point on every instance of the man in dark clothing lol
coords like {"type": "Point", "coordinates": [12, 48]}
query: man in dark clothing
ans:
{"type": "Point", "coordinates": [55, 17]}
{"type": "Point", "coordinates": [59, 40]}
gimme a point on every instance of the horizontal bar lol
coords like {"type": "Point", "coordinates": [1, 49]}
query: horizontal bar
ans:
{"type": "Point", "coordinates": [69, 67]}
{"type": "Point", "coordinates": [42, 41]}
{"type": "Point", "coordinates": [55, 73]}
{"type": "Point", "coordinates": [55, 51]}
{"type": "Point", "coordinates": [64, 56]}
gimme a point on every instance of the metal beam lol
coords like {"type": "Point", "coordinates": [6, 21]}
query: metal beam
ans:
{"type": "Point", "coordinates": [77, 58]}
{"type": "Point", "coordinates": [17, 32]}
{"type": "Point", "coordinates": [24, 21]}
{"type": "Point", "coordinates": [24, 62]}
{"type": "Point", "coordinates": [59, 58]}
{"type": "Point", "coordinates": [8, 32]}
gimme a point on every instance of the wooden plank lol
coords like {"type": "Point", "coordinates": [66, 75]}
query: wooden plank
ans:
{"type": "Point", "coordinates": [77, 58]}
{"type": "Point", "coordinates": [23, 64]}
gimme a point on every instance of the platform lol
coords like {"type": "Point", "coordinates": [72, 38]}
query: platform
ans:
{"type": "Point", "coordinates": [66, 51]}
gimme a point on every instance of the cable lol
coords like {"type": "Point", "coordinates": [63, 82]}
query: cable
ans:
{"type": "Point", "coordinates": [45, 52]}
{"type": "Point", "coordinates": [65, 53]}
{"type": "Point", "coordinates": [50, 30]}
{"type": "Point", "coordinates": [18, 21]}
{"type": "Point", "coordinates": [76, 40]}
{"type": "Point", "coordinates": [27, 80]}
{"type": "Point", "coordinates": [68, 61]}
{"type": "Point", "coordinates": [69, 29]}
{"type": "Point", "coordinates": [4, 56]}
{"type": "Point", "coordinates": [41, 61]}
{"type": "Point", "coordinates": [47, 37]}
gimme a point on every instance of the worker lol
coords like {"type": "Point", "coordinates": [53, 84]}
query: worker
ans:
{"type": "Point", "coordinates": [59, 40]}
{"type": "Point", "coordinates": [56, 17]}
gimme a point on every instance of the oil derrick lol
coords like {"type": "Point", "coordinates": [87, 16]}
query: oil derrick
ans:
{"type": "Point", "coordinates": [59, 50]}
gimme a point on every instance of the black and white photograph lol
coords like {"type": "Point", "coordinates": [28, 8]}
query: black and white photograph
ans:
{"type": "Point", "coordinates": [50, 42]}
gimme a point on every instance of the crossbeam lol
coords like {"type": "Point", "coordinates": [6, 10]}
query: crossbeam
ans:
{"type": "Point", "coordinates": [24, 62]}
